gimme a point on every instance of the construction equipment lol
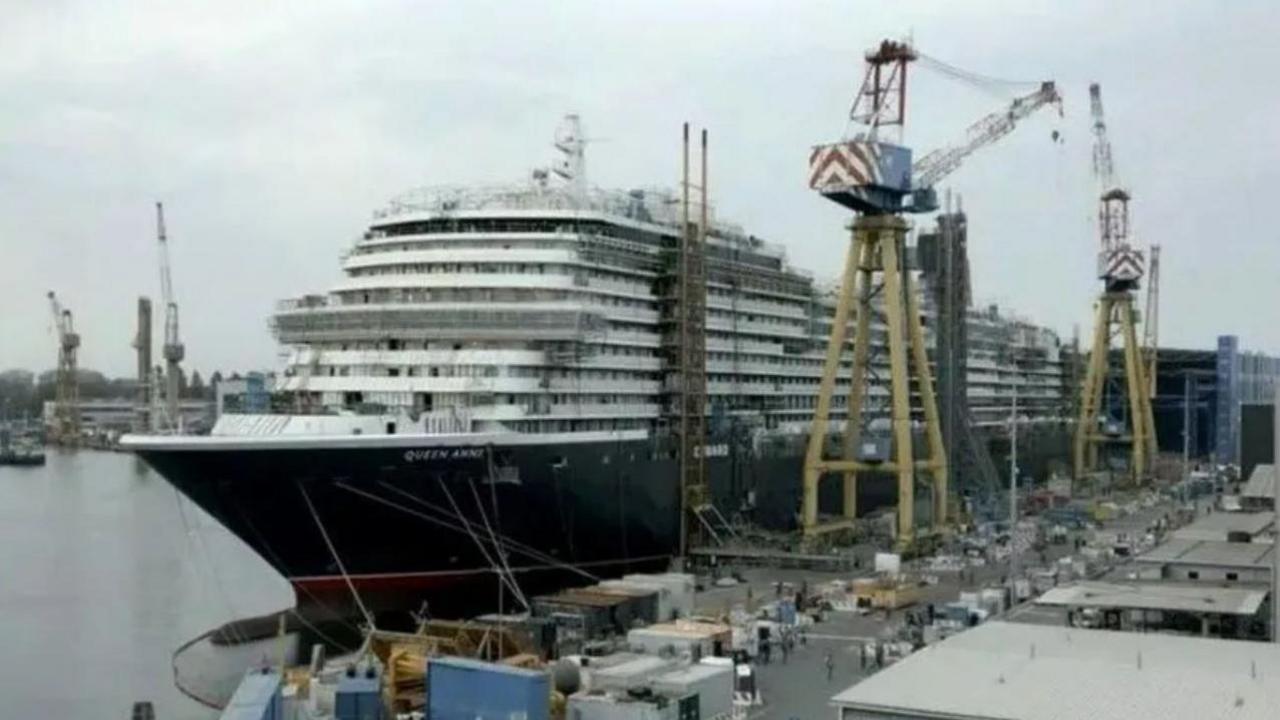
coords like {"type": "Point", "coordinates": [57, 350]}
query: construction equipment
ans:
{"type": "Point", "coordinates": [173, 350]}
{"type": "Point", "coordinates": [66, 417]}
{"type": "Point", "coordinates": [691, 391]}
{"type": "Point", "coordinates": [1121, 269]}
{"type": "Point", "coordinates": [142, 344]}
{"type": "Point", "coordinates": [875, 179]}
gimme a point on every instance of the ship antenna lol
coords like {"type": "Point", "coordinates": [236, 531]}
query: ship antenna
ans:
{"type": "Point", "coordinates": [572, 168]}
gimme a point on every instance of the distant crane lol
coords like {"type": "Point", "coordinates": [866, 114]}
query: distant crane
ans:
{"type": "Point", "coordinates": [143, 417]}
{"type": "Point", "coordinates": [173, 349]}
{"type": "Point", "coordinates": [877, 180]}
{"type": "Point", "coordinates": [1121, 268]}
{"type": "Point", "coordinates": [66, 419]}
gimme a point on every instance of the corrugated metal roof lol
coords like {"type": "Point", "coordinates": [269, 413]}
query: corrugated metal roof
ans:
{"type": "Point", "coordinates": [1157, 596]}
{"type": "Point", "coordinates": [1203, 552]}
{"type": "Point", "coordinates": [1037, 672]}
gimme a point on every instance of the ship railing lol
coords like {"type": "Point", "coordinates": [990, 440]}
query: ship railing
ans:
{"type": "Point", "coordinates": [361, 322]}
{"type": "Point", "coordinates": [449, 421]}
{"type": "Point", "coordinates": [657, 206]}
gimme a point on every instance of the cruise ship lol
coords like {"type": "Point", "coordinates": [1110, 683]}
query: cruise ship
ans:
{"type": "Point", "coordinates": [484, 398]}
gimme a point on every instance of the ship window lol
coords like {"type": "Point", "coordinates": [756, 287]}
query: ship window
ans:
{"type": "Point", "coordinates": [391, 428]}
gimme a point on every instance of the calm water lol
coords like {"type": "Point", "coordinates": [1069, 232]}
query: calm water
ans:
{"type": "Point", "coordinates": [103, 573]}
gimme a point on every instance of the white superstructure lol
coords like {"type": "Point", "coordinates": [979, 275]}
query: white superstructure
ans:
{"type": "Point", "coordinates": [546, 308]}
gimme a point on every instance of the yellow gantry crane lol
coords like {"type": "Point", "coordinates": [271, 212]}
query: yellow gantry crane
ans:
{"type": "Point", "coordinates": [878, 181]}
{"type": "Point", "coordinates": [1121, 269]}
{"type": "Point", "coordinates": [66, 407]}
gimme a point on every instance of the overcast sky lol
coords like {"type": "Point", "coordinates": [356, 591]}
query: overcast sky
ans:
{"type": "Point", "coordinates": [272, 130]}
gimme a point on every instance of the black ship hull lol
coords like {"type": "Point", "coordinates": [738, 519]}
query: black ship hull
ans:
{"type": "Point", "coordinates": [407, 520]}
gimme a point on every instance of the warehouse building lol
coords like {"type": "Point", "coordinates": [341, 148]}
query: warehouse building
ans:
{"type": "Point", "coordinates": [1207, 561]}
{"type": "Point", "coordinates": [1188, 608]}
{"type": "Point", "coordinates": [1239, 527]}
{"type": "Point", "coordinates": [1037, 672]}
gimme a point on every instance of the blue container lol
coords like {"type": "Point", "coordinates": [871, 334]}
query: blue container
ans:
{"type": "Point", "coordinates": [464, 689]}
{"type": "Point", "coordinates": [256, 698]}
{"type": "Point", "coordinates": [358, 697]}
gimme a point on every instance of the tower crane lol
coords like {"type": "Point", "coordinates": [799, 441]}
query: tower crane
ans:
{"type": "Point", "coordinates": [1121, 268]}
{"type": "Point", "coordinates": [878, 180]}
{"type": "Point", "coordinates": [66, 427]}
{"type": "Point", "coordinates": [173, 349]}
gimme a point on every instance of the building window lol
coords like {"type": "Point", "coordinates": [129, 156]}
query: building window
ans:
{"type": "Point", "coordinates": [1193, 575]}
{"type": "Point", "coordinates": [1233, 576]}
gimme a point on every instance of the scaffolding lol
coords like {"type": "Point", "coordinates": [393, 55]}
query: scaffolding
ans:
{"type": "Point", "coordinates": [944, 260]}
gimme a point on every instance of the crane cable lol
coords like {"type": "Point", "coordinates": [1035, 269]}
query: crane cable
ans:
{"type": "Point", "coordinates": [368, 617]}
{"type": "Point", "coordinates": [973, 78]}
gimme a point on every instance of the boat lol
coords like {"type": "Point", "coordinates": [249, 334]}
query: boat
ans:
{"type": "Point", "coordinates": [486, 395]}
{"type": "Point", "coordinates": [19, 450]}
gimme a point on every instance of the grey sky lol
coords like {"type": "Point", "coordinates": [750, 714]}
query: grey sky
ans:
{"type": "Point", "coordinates": [272, 130]}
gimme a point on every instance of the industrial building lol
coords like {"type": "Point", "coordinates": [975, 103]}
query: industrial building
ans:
{"type": "Point", "coordinates": [1207, 561]}
{"type": "Point", "coordinates": [1257, 436]}
{"type": "Point", "coordinates": [117, 415]}
{"type": "Point", "coordinates": [1233, 527]}
{"type": "Point", "coordinates": [1188, 608]}
{"type": "Point", "coordinates": [1242, 378]}
{"type": "Point", "coordinates": [248, 395]}
{"type": "Point", "coordinates": [1037, 672]}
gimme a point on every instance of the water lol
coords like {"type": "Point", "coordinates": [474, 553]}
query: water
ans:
{"type": "Point", "coordinates": [103, 573]}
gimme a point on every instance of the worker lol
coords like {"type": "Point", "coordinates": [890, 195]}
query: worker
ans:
{"type": "Point", "coordinates": [764, 651]}
{"type": "Point", "coordinates": [831, 666]}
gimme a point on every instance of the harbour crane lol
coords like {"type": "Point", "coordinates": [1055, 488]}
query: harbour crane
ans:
{"type": "Point", "coordinates": [173, 349]}
{"type": "Point", "coordinates": [66, 419]}
{"type": "Point", "coordinates": [878, 180]}
{"type": "Point", "coordinates": [143, 420]}
{"type": "Point", "coordinates": [1121, 268]}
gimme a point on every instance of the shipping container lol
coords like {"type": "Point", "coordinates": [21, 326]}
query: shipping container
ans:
{"type": "Point", "coordinates": [540, 632]}
{"type": "Point", "coordinates": [712, 684]}
{"type": "Point", "coordinates": [584, 706]}
{"type": "Point", "coordinates": [465, 689]}
{"type": "Point", "coordinates": [642, 603]}
{"type": "Point", "coordinates": [681, 585]}
{"type": "Point", "coordinates": [665, 610]}
{"type": "Point", "coordinates": [601, 614]}
{"type": "Point", "coordinates": [684, 638]}
{"type": "Point", "coordinates": [629, 675]}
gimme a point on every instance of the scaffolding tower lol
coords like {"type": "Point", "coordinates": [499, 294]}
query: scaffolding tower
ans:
{"type": "Point", "coordinates": [691, 356]}
{"type": "Point", "coordinates": [944, 261]}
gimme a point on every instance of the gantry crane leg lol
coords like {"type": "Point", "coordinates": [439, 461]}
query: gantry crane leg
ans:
{"type": "Point", "coordinates": [877, 245]}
